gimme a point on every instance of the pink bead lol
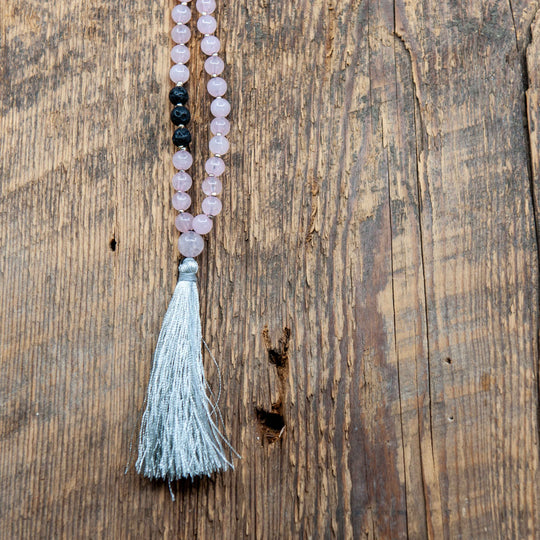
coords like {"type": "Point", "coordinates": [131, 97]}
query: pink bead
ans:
{"type": "Point", "coordinates": [190, 244]}
{"type": "Point", "coordinates": [182, 160]}
{"type": "Point", "coordinates": [181, 200]}
{"type": "Point", "coordinates": [210, 45]}
{"type": "Point", "coordinates": [180, 54]}
{"type": "Point", "coordinates": [219, 145]}
{"type": "Point", "coordinates": [206, 6]}
{"type": "Point", "coordinates": [181, 33]}
{"type": "Point", "coordinates": [220, 126]}
{"type": "Point", "coordinates": [179, 73]}
{"type": "Point", "coordinates": [215, 166]}
{"type": "Point", "coordinates": [214, 65]}
{"type": "Point", "coordinates": [216, 86]}
{"type": "Point", "coordinates": [202, 224]}
{"type": "Point", "coordinates": [212, 186]}
{"type": "Point", "coordinates": [181, 181]}
{"type": "Point", "coordinates": [211, 206]}
{"type": "Point", "coordinates": [206, 24]}
{"type": "Point", "coordinates": [220, 107]}
{"type": "Point", "coordinates": [181, 14]}
{"type": "Point", "coordinates": [184, 222]}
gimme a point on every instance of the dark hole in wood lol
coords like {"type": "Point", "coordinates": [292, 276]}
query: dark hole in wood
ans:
{"type": "Point", "coordinates": [279, 357]}
{"type": "Point", "coordinates": [112, 244]}
{"type": "Point", "coordinates": [272, 424]}
{"type": "Point", "coordinates": [448, 360]}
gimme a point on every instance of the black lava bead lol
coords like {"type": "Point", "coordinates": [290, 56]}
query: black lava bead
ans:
{"type": "Point", "coordinates": [178, 95]}
{"type": "Point", "coordinates": [181, 137]}
{"type": "Point", "coordinates": [180, 116]}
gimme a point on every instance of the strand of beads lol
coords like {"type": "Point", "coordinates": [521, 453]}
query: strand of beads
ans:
{"type": "Point", "coordinates": [192, 228]}
{"type": "Point", "coordinates": [180, 115]}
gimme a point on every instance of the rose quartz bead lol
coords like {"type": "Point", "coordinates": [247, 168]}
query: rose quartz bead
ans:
{"type": "Point", "coordinates": [181, 181]}
{"type": "Point", "coordinates": [181, 200]}
{"type": "Point", "coordinates": [220, 107]}
{"type": "Point", "coordinates": [181, 14]}
{"type": "Point", "coordinates": [220, 126]}
{"type": "Point", "coordinates": [219, 145]}
{"type": "Point", "coordinates": [214, 65]}
{"type": "Point", "coordinates": [190, 244]}
{"type": "Point", "coordinates": [212, 186]}
{"type": "Point", "coordinates": [180, 54]}
{"type": "Point", "coordinates": [181, 33]}
{"type": "Point", "coordinates": [179, 73]}
{"type": "Point", "coordinates": [207, 24]}
{"type": "Point", "coordinates": [210, 45]}
{"type": "Point", "coordinates": [216, 86]}
{"type": "Point", "coordinates": [182, 160]}
{"type": "Point", "coordinates": [215, 166]}
{"type": "Point", "coordinates": [206, 6]}
{"type": "Point", "coordinates": [184, 222]}
{"type": "Point", "coordinates": [211, 206]}
{"type": "Point", "coordinates": [202, 224]}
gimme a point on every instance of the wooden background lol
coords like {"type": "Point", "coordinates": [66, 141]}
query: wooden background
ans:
{"type": "Point", "coordinates": [371, 286]}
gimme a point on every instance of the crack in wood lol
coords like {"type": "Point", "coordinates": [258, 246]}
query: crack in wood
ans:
{"type": "Point", "coordinates": [272, 422]}
{"type": "Point", "coordinates": [530, 92]}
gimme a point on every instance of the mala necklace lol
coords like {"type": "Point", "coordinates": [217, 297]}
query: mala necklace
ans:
{"type": "Point", "coordinates": [179, 434]}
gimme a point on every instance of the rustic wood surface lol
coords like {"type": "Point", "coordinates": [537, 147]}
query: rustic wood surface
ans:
{"type": "Point", "coordinates": [370, 290]}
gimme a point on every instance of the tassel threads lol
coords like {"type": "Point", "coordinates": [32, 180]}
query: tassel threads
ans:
{"type": "Point", "coordinates": [178, 436]}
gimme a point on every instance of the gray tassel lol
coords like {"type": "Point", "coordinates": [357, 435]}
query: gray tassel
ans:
{"type": "Point", "coordinates": [179, 434]}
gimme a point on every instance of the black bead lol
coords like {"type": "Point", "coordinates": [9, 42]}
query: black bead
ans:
{"type": "Point", "coordinates": [180, 115]}
{"type": "Point", "coordinates": [181, 137]}
{"type": "Point", "coordinates": [178, 95]}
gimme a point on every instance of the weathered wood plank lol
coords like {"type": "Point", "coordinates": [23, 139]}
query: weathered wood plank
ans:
{"type": "Point", "coordinates": [372, 281]}
{"type": "Point", "coordinates": [480, 264]}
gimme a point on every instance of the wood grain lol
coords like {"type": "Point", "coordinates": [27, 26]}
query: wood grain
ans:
{"type": "Point", "coordinates": [370, 290]}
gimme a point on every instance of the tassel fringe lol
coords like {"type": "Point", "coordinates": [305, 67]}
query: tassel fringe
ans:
{"type": "Point", "coordinates": [179, 434]}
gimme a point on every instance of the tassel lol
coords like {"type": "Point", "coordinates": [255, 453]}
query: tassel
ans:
{"type": "Point", "coordinates": [179, 435]}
